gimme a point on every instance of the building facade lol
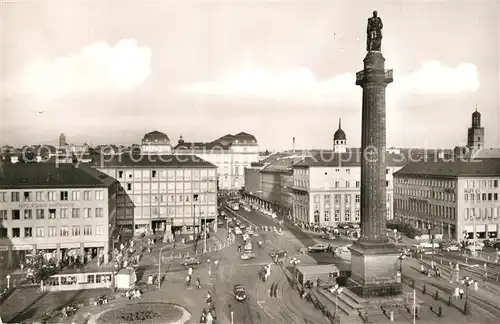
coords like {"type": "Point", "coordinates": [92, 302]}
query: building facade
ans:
{"type": "Point", "coordinates": [169, 193]}
{"type": "Point", "coordinates": [58, 210]}
{"type": "Point", "coordinates": [459, 199]}
{"type": "Point", "coordinates": [231, 154]}
{"type": "Point", "coordinates": [326, 188]}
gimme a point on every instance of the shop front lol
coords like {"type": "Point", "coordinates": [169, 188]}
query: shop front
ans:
{"type": "Point", "coordinates": [21, 254]}
{"type": "Point", "coordinates": [492, 231]}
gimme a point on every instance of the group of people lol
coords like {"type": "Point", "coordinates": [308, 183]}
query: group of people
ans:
{"type": "Point", "coordinates": [208, 316]}
{"type": "Point", "coordinates": [68, 311]}
{"type": "Point", "coordinates": [133, 294]}
{"type": "Point", "coordinates": [432, 271]}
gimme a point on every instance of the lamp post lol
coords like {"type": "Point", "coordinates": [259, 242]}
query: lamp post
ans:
{"type": "Point", "coordinates": [295, 262]}
{"type": "Point", "coordinates": [401, 257]}
{"type": "Point", "coordinates": [336, 290]}
{"type": "Point", "coordinates": [159, 265]}
{"type": "Point", "coordinates": [467, 281]}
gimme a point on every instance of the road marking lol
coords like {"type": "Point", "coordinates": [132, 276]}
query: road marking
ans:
{"type": "Point", "coordinates": [260, 302]}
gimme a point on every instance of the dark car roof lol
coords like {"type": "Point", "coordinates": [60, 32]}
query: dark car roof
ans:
{"type": "Point", "coordinates": [239, 287]}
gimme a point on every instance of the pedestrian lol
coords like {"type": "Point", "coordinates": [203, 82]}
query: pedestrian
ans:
{"type": "Point", "coordinates": [476, 286]}
{"type": "Point", "coordinates": [198, 283]}
{"type": "Point", "coordinates": [190, 271]}
{"type": "Point", "coordinates": [456, 293]}
{"type": "Point", "coordinates": [461, 292]}
{"type": "Point", "coordinates": [150, 279]}
{"type": "Point", "coordinates": [209, 298]}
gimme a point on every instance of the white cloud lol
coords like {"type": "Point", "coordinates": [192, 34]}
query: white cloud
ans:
{"type": "Point", "coordinates": [97, 68]}
{"type": "Point", "coordinates": [299, 84]}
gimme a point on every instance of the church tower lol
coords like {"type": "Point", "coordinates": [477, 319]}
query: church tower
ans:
{"type": "Point", "coordinates": [339, 140]}
{"type": "Point", "coordinates": [475, 134]}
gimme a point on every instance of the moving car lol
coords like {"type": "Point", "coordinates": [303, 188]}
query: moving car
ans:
{"type": "Point", "coordinates": [190, 260]}
{"type": "Point", "coordinates": [247, 256]}
{"type": "Point", "coordinates": [328, 236]}
{"type": "Point", "coordinates": [318, 248]}
{"type": "Point", "coordinates": [237, 231]}
{"type": "Point", "coordinates": [239, 293]}
{"type": "Point", "coordinates": [248, 246]}
{"type": "Point", "coordinates": [243, 226]}
{"type": "Point", "coordinates": [278, 252]}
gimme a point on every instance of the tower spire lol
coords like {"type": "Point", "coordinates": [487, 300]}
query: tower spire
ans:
{"type": "Point", "coordinates": [476, 107]}
{"type": "Point", "coordinates": [340, 123]}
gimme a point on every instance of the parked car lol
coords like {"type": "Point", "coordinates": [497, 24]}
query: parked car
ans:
{"type": "Point", "coordinates": [190, 260]}
{"type": "Point", "coordinates": [247, 256]}
{"type": "Point", "coordinates": [318, 248]}
{"type": "Point", "coordinates": [237, 231]}
{"type": "Point", "coordinates": [451, 248]}
{"type": "Point", "coordinates": [243, 226]}
{"type": "Point", "coordinates": [239, 293]}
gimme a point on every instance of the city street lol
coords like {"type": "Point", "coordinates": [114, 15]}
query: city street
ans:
{"type": "Point", "coordinates": [260, 307]}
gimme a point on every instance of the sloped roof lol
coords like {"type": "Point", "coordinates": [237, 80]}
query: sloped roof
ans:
{"type": "Point", "coordinates": [281, 165]}
{"type": "Point", "coordinates": [472, 168]}
{"type": "Point", "coordinates": [48, 175]}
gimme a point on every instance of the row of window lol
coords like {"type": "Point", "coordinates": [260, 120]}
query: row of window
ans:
{"type": "Point", "coordinates": [179, 174]}
{"type": "Point", "coordinates": [155, 187]}
{"type": "Point", "coordinates": [436, 183]}
{"type": "Point", "coordinates": [446, 183]}
{"type": "Point", "coordinates": [337, 198]}
{"type": "Point", "coordinates": [63, 195]}
{"type": "Point", "coordinates": [161, 212]}
{"type": "Point", "coordinates": [336, 184]}
{"type": "Point", "coordinates": [138, 200]}
{"type": "Point", "coordinates": [484, 213]}
{"type": "Point", "coordinates": [485, 184]}
{"type": "Point", "coordinates": [446, 195]}
{"type": "Point", "coordinates": [424, 209]}
{"type": "Point", "coordinates": [51, 213]}
{"type": "Point", "coordinates": [52, 231]}
{"type": "Point", "coordinates": [477, 197]}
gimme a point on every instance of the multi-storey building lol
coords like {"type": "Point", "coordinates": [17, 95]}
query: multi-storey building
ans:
{"type": "Point", "coordinates": [163, 192]}
{"type": "Point", "coordinates": [459, 198]}
{"type": "Point", "coordinates": [326, 187]}
{"type": "Point", "coordinates": [56, 209]}
{"type": "Point", "coordinates": [276, 183]}
{"type": "Point", "coordinates": [231, 154]}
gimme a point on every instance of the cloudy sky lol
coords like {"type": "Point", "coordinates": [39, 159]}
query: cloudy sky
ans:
{"type": "Point", "coordinates": [110, 71]}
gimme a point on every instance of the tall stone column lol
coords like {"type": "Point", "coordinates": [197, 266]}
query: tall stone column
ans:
{"type": "Point", "coordinates": [373, 79]}
{"type": "Point", "coordinates": [374, 260]}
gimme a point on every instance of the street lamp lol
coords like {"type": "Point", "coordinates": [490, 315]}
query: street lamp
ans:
{"type": "Point", "coordinates": [336, 290]}
{"type": "Point", "coordinates": [401, 257]}
{"type": "Point", "coordinates": [295, 262]}
{"type": "Point", "coordinates": [467, 282]}
{"type": "Point", "coordinates": [159, 265]}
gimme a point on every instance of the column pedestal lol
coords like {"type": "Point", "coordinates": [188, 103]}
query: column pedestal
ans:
{"type": "Point", "coordinates": [374, 269]}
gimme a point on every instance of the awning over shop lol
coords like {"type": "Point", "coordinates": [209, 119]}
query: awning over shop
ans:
{"type": "Point", "coordinates": [481, 228]}
{"type": "Point", "coordinates": [492, 227]}
{"type": "Point", "coordinates": [469, 228]}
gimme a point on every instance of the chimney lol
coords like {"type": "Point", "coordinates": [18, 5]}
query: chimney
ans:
{"type": "Point", "coordinates": [293, 145]}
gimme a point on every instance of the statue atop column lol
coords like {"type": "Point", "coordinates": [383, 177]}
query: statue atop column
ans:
{"type": "Point", "coordinates": [374, 33]}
